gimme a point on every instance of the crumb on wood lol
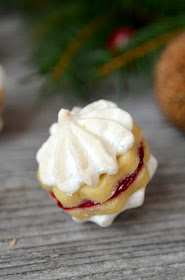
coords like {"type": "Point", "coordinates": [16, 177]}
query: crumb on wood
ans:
{"type": "Point", "coordinates": [2, 190]}
{"type": "Point", "coordinates": [24, 188]}
{"type": "Point", "coordinates": [13, 242]}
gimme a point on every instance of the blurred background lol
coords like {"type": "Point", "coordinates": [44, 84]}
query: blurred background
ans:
{"type": "Point", "coordinates": [83, 49]}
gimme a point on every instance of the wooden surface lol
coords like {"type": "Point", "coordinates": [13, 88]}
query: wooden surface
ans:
{"type": "Point", "coordinates": [144, 243]}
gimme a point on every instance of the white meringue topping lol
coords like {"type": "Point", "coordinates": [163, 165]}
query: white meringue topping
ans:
{"type": "Point", "coordinates": [83, 145]}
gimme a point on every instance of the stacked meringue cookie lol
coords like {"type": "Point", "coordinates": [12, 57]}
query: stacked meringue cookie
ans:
{"type": "Point", "coordinates": [95, 163]}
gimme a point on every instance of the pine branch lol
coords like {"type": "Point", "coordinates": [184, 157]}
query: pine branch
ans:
{"type": "Point", "coordinates": [69, 46]}
{"type": "Point", "coordinates": [138, 51]}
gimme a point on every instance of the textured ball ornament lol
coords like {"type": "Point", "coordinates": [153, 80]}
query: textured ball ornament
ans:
{"type": "Point", "coordinates": [170, 81]}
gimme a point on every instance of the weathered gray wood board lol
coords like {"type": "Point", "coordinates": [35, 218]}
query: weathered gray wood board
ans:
{"type": "Point", "coordinates": [144, 243]}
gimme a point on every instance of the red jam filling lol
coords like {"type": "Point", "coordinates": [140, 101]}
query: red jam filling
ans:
{"type": "Point", "coordinates": [122, 186]}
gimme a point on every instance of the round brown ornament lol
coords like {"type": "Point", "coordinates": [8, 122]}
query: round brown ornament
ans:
{"type": "Point", "coordinates": [170, 81]}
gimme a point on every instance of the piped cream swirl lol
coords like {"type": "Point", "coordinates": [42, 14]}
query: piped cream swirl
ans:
{"type": "Point", "coordinates": [84, 144]}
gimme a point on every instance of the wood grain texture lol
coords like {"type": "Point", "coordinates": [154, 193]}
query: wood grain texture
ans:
{"type": "Point", "coordinates": [144, 243]}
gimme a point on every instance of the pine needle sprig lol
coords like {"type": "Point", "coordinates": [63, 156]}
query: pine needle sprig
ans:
{"type": "Point", "coordinates": [70, 39]}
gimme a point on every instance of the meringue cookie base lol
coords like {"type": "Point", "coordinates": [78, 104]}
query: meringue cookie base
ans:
{"type": "Point", "coordinates": [108, 208]}
{"type": "Point", "coordinates": [110, 205]}
{"type": "Point", "coordinates": [135, 200]}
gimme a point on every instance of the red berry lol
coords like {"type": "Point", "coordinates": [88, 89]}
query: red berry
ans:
{"type": "Point", "coordinates": [119, 38]}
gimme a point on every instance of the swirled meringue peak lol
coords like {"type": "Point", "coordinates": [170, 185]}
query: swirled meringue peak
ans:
{"type": "Point", "coordinates": [84, 144]}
